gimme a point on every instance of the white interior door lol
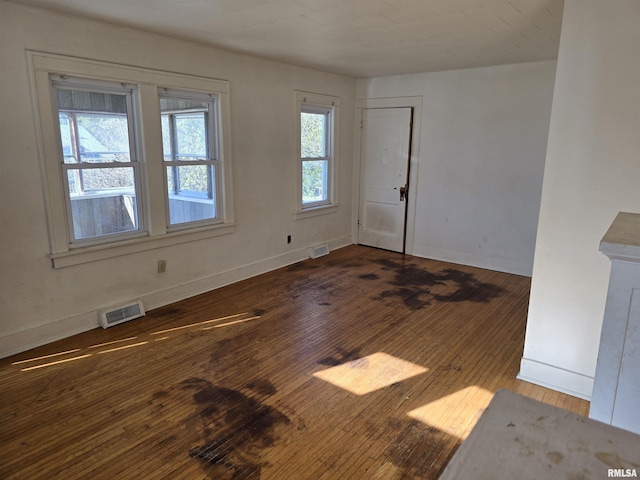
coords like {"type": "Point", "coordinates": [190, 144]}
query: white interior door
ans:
{"type": "Point", "coordinates": [384, 176]}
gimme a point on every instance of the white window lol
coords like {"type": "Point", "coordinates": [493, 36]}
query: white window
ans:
{"type": "Point", "coordinates": [100, 169]}
{"type": "Point", "coordinates": [190, 151]}
{"type": "Point", "coordinates": [132, 158]}
{"type": "Point", "coordinates": [317, 151]}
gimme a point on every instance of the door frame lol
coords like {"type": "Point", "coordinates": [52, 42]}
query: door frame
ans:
{"type": "Point", "coordinates": [415, 103]}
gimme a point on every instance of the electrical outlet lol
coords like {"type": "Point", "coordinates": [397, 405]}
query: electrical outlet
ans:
{"type": "Point", "coordinates": [162, 266]}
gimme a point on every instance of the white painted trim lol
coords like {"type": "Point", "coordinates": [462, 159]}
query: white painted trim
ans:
{"type": "Point", "coordinates": [152, 206]}
{"type": "Point", "coordinates": [314, 212]}
{"type": "Point", "coordinates": [388, 102]}
{"type": "Point", "coordinates": [50, 332]}
{"type": "Point", "coordinates": [333, 104]}
{"type": "Point", "coordinates": [99, 70]}
{"type": "Point", "coordinates": [556, 378]}
{"type": "Point", "coordinates": [479, 261]}
{"type": "Point", "coordinates": [127, 247]}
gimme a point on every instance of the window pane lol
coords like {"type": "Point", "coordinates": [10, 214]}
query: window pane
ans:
{"type": "Point", "coordinates": [314, 181]}
{"type": "Point", "coordinates": [104, 180]}
{"type": "Point", "coordinates": [195, 180]}
{"type": "Point", "coordinates": [313, 128]}
{"type": "Point", "coordinates": [86, 101]}
{"type": "Point", "coordinates": [108, 204]}
{"type": "Point", "coordinates": [187, 120]}
{"type": "Point", "coordinates": [94, 126]}
{"type": "Point", "coordinates": [194, 200]}
{"type": "Point", "coordinates": [103, 138]}
{"type": "Point", "coordinates": [176, 104]}
{"type": "Point", "coordinates": [191, 136]}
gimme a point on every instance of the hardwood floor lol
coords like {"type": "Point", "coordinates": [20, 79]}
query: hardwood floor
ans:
{"type": "Point", "coordinates": [361, 364]}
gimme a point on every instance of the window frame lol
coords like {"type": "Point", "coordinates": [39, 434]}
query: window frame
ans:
{"type": "Point", "coordinates": [212, 156]}
{"type": "Point", "coordinates": [63, 83]}
{"type": "Point", "coordinates": [325, 112]}
{"type": "Point", "coordinates": [307, 102]}
{"type": "Point", "coordinates": [153, 208]}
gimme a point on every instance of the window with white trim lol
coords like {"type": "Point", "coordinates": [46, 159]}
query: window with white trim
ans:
{"type": "Point", "coordinates": [317, 118]}
{"type": "Point", "coordinates": [189, 147]}
{"type": "Point", "coordinates": [132, 158]}
{"type": "Point", "coordinates": [100, 169]}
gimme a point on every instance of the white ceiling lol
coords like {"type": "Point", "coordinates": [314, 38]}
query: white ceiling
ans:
{"type": "Point", "coordinates": [360, 38]}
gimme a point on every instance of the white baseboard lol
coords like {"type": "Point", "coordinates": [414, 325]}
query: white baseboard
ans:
{"type": "Point", "coordinates": [556, 378]}
{"type": "Point", "coordinates": [50, 332]}
{"type": "Point", "coordinates": [221, 279]}
{"type": "Point", "coordinates": [490, 263]}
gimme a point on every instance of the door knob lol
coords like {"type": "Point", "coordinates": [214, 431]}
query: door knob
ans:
{"type": "Point", "coordinates": [404, 192]}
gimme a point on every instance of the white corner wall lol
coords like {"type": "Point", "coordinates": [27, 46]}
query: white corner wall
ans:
{"type": "Point", "coordinates": [592, 172]}
{"type": "Point", "coordinates": [39, 304]}
{"type": "Point", "coordinates": [482, 149]}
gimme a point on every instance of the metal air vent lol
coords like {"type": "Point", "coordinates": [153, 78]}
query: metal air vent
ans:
{"type": "Point", "coordinates": [319, 251]}
{"type": "Point", "coordinates": [123, 313]}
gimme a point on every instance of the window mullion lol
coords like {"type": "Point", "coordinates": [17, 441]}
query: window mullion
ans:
{"type": "Point", "coordinates": [131, 125]}
{"type": "Point", "coordinates": [75, 146]}
{"type": "Point", "coordinates": [174, 156]}
{"type": "Point", "coordinates": [75, 142]}
{"type": "Point", "coordinates": [210, 149]}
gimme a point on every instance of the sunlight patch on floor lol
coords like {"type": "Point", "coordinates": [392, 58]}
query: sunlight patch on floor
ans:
{"type": "Point", "coordinates": [226, 324]}
{"type": "Point", "coordinates": [457, 413]}
{"type": "Point", "coordinates": [58, 362]}
{"type": "Point", "coordinates": [182, 327]}
{"type": "Point", "coordinates": [115, 349]}
{"type": "Point", "coordinates": [367, 374]}
{"type": "Point", "coordinates": [98, 345]}
{"type": "Point", "coordinates": [35, 359]}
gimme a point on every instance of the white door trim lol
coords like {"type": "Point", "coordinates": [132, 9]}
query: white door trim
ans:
{"type": "Point", "coordinates": [396, 102]}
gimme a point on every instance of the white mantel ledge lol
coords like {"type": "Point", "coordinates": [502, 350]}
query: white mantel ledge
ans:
{"type": "Point", "coordinates": [622, 240]}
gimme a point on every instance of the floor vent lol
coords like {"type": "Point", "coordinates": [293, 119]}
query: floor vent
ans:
{"type": "Point", "coordinates": [115, 315]}
{"type": "Point", "coordinates": [319, 251]}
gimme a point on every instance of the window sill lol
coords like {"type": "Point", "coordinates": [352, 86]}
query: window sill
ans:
{"type": "Point", "coordinates": [127, 247]}
{"type": "Point", "coordinates": [315, 211]}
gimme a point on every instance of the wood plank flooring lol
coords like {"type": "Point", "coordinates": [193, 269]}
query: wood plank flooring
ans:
{"type": "Point", "coordinates": [363, 364]}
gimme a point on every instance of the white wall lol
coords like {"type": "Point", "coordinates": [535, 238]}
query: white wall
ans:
{"type": "Point", "coordinates": [592, 172]}
{"type": "Point", "coordinates": [481, 160]}
{"type": "Point", "coordinates": [38, 303]}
